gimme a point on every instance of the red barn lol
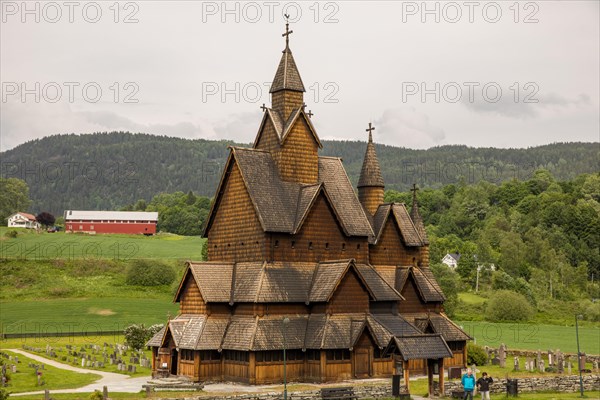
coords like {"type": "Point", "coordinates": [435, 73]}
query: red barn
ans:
{"type": "Point", "coordinates": [129, 222]}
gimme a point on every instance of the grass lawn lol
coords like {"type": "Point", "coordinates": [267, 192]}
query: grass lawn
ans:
{"type": "Point", "coordinates": [25, 380]}
{"type": "Point", "coordinates": [83, 315]}
{"type": "Point", "coordinates": [31, 245]}
{"type": "Point", "coordinates": [534, 336]}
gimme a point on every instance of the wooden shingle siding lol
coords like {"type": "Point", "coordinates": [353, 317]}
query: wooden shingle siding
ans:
{"type": "Point", "coordinates": [235, 240]}
{"type": "Point", "coordinates": [328, 240]}
{"type": "Point", "coordinates": [413, 302]}
{"type": "Point", "coordinates": [286, 101]}
{"type": "Point", "coordinates": [298, 158]}
{"type": "Point", "coordinates": [390, 250]}
{"type": "Point", "coordinates": [370, 198]}
{"type": "Point", "coordinates": [191, 300]}
{"type": "Point", "coordinates": [268, 138]}
{"type": "Point", "coordinates": [349, 297]}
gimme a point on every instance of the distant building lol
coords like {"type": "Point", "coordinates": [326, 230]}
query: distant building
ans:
{"type": "Point", "coordinates": [128, 222]}
{"type": "Point", "coordinates": [23, 220]}
{"type": "Point", "coordinates": [451, 260]}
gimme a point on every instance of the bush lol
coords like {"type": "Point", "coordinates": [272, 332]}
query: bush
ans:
{"type": "Point", "coordinates": [136, 336]}
{"type": "Point", "coordinates": [149, 273]}
{"type": "Point", "coordinates": [11, 234]}
{"type": "Point", "coordinates": [97, 395]}
{"type": "Point", "coordinates": [4, 394]}
{"type": "Point", "coordinates": [506, 305]}
{"type": "Point", "coordinates": [476, 354]}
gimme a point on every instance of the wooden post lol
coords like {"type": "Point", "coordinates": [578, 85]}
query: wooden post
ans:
{"type": "Point", "coordinates": [441, 370]}
{"type": "Point", "coordinates": [46, 394]}
{"type": "Point", "coordinates": [323, 371]}
{"type": "Point", "coordinates": [430, 377]}
{"type": "Point", "coordinates": [406, 375]}
{"type": "Point", "coordinates": [197, 362]}
{"type": "Point", "coordinates": [104, 393]}
{"type": "Point", "coordinates": [464, 354]}
{"type": "Point", "coordinates": [252, 368]}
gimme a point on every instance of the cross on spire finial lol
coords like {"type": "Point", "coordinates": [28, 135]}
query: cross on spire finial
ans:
{"type": "Point", "coordinates": [263, 107]}
{"type": "Point", "coordinates": [370, 129]}
{"type": "Point", "coordinates": [287, 31]}
{"type": "Point", "coordinates": [414, 189]}
{"type": "Point", "coordinates": [310, 114]}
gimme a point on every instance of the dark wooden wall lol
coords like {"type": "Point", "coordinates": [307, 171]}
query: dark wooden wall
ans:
{"type": "Point", "coordinates": [327, 237]}
{"type": "Point", "coordinates": [390, 249]}
{"type": "Point", "coordinates": [298, 158]}
{"type": "Point", "coordinates": [349, 297]}
{"type": "Point", "coordinates": [191, 301]}
{"type": "Point", "coordinates": [236, 234]}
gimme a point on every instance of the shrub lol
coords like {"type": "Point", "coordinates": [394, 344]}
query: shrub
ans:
{"type": "Point", "coordinates": [136, 336]}
{"type": "Point", "coordinates": [506, 305]}
{"type": "Point", "coordinates": [149, 273]}
{"type": "Point", "coordinates": [11, 234]}
{"type": "Point", "coordinates": [476, 354]}
{"type": "Point", "coordinates": [4, 394]}
{"type": "Point", "coordinates": [97, 395]}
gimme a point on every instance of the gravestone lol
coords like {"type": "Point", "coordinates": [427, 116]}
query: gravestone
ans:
{"type": "Point", "coordinates": [502, 355]}
{"type": "Point", "coordinates": [527, 363]}
{"type": "Point", "coordinates": [104, 393]}
{"type": "Point", "coordinates": [82, 362]}
{"type": "Point", "coordinates": [595, 366]}
{"type": "Point", "coordinates": [516, 363]}
{"type": "Point", "coordinates": [560, 362]}
{"type": "Point", "coordinates": [569, 367]}
{"type": "Point", "coordinates": [542, 366]}
{"type": "Point", "coordinates": [550, 358]}
{"type": "Point", "coordinates": [13, 369]}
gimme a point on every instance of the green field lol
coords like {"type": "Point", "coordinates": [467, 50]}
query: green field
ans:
{"type": "Point", "coordinates": [30, 245]}
{"type": "Point", "coordinates": [534, 336]}
{"type": "Point", "coordinates": [82, 315]}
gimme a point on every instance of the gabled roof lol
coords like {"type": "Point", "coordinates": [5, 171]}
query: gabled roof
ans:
{"type": "Point", "coordinates": [280, 282]}
{"type": "Point", "coordinates": [415, 215]}
{"type": "Point", "coordinates": [111, 215]}
{"type": "Point", "coordinates": [287, 76]}
{"type": "Point", "coordinates": [410, 235]}
{"type": "Point", "coordinates": [27, 216]}
{"type": "Point", "coordinates": [427, 286]}
{"type": "Point", "coordinates": [281, 206]}
{"type": "Point", "coordinates": [440, 324]}
{"type": "Point", "coordinates": [423, 346]}
{"type": "Point", "coordinates": [283, 128]}
{"type": "Point", "coordinates": [370, 173]}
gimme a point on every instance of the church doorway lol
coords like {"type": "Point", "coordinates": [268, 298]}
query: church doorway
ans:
{"type": "Point", "coordinates": [362, 362]}
{"type": "Point", "coordinates": [174, 360]}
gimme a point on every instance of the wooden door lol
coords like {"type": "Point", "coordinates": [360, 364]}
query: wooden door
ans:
{"type": "Point", "coordinates": [362, 362]}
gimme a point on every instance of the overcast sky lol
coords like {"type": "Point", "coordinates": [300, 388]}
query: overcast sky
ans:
{"type": "Point", "coordinates": [424, 77]}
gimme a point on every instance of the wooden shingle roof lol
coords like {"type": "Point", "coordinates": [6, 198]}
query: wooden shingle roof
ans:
{"type": "Point", "coordinates": [284, 128]}
{"type": "Point", "coordinates": [287, 76]}
{"type": "Point", "coordinates": [281, 282]}
{"type": "Point", "coordinates": [398, 212]}
{"type": "Point", "coordinates": [441, 324]}
{"type": "Point", "coordinates": [281, 206]}
{"type": "Point", "coordinates": [427, 285]}
{"type": "Point", "coordinates": [370, 174]}
{"type": "Point", "coordinates": [423, 346]}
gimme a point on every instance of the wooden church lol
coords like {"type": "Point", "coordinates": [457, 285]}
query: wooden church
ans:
{"type": "Point", "coordinates": [298, 261]}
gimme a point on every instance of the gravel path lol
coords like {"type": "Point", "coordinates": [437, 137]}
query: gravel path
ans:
{"type": "Point", "coordinates": [113, 381]}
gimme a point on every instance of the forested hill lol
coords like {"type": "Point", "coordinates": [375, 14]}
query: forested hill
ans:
{"type": "Point", "coordinates": [109, 170]}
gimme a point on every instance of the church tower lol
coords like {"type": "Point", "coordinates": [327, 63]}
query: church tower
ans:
{"type": "Point", "coordinates": [286, 130]}
{"type": "Point", "coordinates": [370, 183]}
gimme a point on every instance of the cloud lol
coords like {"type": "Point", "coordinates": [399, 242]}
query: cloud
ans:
{"type": "Point", "coordinates": [407, 127]}
{"type": "Point", "coordinates": [27, 121]}
{"type": "Point", "coordinates": [527, 103]}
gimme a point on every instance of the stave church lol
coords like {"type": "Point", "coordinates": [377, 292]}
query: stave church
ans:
{"type": "Point", "coordinates": [302, 266]}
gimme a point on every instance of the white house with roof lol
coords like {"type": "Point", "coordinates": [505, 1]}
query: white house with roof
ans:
{"type": "Point", "coordinates": [451, 260]}
{"type": "Point", "coordinates": [23, 220]}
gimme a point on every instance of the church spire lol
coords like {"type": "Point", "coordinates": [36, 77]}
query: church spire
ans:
{"type": "Point", "coordinates": [370, 183]}
{"type": "Point", "coordinates": [415, 215]}
{"type": "Point", "coordinates": [287, 88]}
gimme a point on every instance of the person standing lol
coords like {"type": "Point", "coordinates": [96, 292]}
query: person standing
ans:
{"type": "Point", "coordinates": [468, 382]}
{"type": "Point", "coordinates": [483, 385]}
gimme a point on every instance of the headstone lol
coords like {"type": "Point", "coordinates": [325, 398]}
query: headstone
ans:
{"type": "Point", "coordinates": [13, 369]}
{"type": "Point", "coordinates": [502, 355]}
{"type": "Point", "coordinates": [516, 363]}
{"type": "Point", "coordinates": [569, 367]}
{"type": "Point", "coordinates": [560, 362]}
{"type": "Point", "coordinates": [542, 366]}
{"type": "Point", "coordinates": [46, 394]}
{"type": "Point", "coordinates": [104, 393]}
{"type": "Point", "coordinates": [16, 359]}
{"type": "Point", "coordinates": [133, 369]}
{"type": "Point", "coordinates": [83, 362]}
{"type": "Point", "coordinates": [495, 361]}
{"type": "Point", "coordinates": [595, 365]}
{"type": "Point", "coordinates": [550, 358]}
{"type": "Point", "coordinates": [527, 363]}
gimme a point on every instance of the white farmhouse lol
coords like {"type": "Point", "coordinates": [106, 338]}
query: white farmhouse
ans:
{"type": "Point", "coordinates": [23, 220]}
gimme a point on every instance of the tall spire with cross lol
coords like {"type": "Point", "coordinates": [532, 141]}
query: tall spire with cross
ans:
{"type": "Point", "coordinates": [415, 215]}
{"type": "Point", "coordinates": [370, 184]}
{"type": "Point", "coordinates": [287, 88]}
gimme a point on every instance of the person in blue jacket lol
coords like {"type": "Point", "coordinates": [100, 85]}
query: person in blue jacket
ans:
{"type": "Point", "coordinates": [468, 382]}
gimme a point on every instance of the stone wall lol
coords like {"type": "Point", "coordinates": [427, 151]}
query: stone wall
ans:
{"type": "Point", "coordinates": [565, 383]}
{"type": "Point", "coordinates": [553, 383]}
